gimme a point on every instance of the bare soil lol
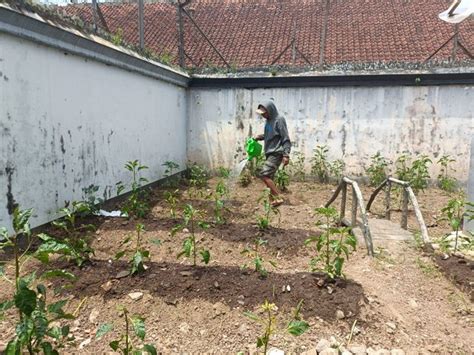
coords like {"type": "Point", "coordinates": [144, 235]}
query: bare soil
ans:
{"type": "Point", "coordinates": [403, 298]}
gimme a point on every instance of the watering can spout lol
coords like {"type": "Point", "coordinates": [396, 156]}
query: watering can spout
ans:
{"type": "Point", "coordinates": [253, 148]}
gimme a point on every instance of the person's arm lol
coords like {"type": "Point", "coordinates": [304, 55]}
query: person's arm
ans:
{"type": "Point", "coordinates": [285, 140]}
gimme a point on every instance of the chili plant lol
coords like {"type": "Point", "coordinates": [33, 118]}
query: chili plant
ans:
{"type": "Point", "coordinates": [91, 200]}
{"type": "Point", "coordinates": [419, 175]}
{"type": "Point", "coordinates": [139, 254]}
{"type": "Point", "coordinates": [170, 168]}
{"type": "Point", "coordinates": [282, 179]}
{"type": "Point", "coordinates": [263, 221]}
{"type": "Point", "coordinates": [223, 172]}
{"type": "Point", "coordinates": [454, 213]}
{"type": "Point", "coordinates": [245, 178]}
{"type": "Point", "coordinates": [136, 203]}
{"type": "Point", "coordinates": [446, 182]}
{"type": "Point", "coordinates": [124, 344]}
{"type": "Point", "coordinates": [254, 253]}
{"type": "Point", "coordinates": [75, 245]}
{"type": "Point", "coordinates": [37, 328]}
{"type": "Point", "coordinates": [336, 169]}
{"type": "Point", "coordinates": [297, 169]}
{"type": "Point", "coordinates": [192, 218]}
{"type": "Point", "coordinates": [333, 245]}
{"type": "Point", "coordinates": [198, 176]}
{"type": "Point", "coordinates": [268, 321]}
{"type": "Point", "coordinates": [171, 197]}
{"type": "Point", "coordinates": [320, 163]}
{"type": "Point", "coordinates": [221, 193]}
{"type": "Point", "coordinates": [377, 170]}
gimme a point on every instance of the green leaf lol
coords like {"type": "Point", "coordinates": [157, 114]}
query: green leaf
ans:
{"type": "Point", "coordinates": [48, 349]}
{"type": "Point", "coordinates": [55, 333]}
{"type": "Point", "coordinates": [13, 348]}
{"type": "Point", "coordinates": [58, 273]}
{"type": "Point", "coordinates": [119, 255]}
{"type": "Point", "coordinates": [114, 345]}
{"type": "Point", "coordinates": [338, 265]}
{"type": "Point", "coordinates": [137, 263]}
{"type": "Point", "coordinates": [103, 329]}
{"type": "Point", "coordinates": [297, 327]}
{"type": "Point", "coordinates": [139, 327]}
{"type": "Point", "coordinates": [206, 256]}
{"type": "Point", "coordinates": [65, 330]}
{"type": "Point", "coordinates": [260, 342]}
{"type": "Point", "coordinates": [25, 299]}
{"type": "Point", "coordinates": [156, 241]}
{"type": "Point", "coordinates": [150, 349]}
{"type": "Point", "coordinates": [251, 315]}
{"type": "Point", "coordinates": [57, 307]}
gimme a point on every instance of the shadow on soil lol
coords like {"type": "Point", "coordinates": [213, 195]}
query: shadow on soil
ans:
{"type": "Point", "coordinates": [459, 271]}
{"type": "Point", "coordinates": [174, 283]}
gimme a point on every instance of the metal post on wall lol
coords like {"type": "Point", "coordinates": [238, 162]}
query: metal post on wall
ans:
{"type": "Point", "coordinates": [94, 14]}
{"type": "Point", "coordinates": [141, 24]}
{"type": "Point", "coordinates": [182, 54]}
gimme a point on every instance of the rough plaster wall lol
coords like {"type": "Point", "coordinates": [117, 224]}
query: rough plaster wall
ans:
{"type": "Point", "coordinates": [355, 122]}
{"type": "Point", "coordinates": [66, 123]}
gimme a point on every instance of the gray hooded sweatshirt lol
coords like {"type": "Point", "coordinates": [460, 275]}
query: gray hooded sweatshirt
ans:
{"type": "Point", "coordinates": [276, 135]}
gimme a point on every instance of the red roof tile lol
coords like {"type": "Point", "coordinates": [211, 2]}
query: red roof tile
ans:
{"type": "Point", "coordinates": [252, 33]}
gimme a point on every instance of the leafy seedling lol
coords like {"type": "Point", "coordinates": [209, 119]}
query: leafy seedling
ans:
{"type": "Point", "coordinates": [332, 246]}
{"type": "Point", "coordinates": [268, 321]}
{"type": "Point", "coordinates": [320, 163]}
{"type": "Point", "coordinates": [192, 219]}
{"type": "Point", "coordinates": [124, 344]}
{"type": "Point", "coordinates": [253, 253]}
{"type": "Point", "coordinates": [137, 201]}
{"type": "Point", "coordinates": [139, 254]}
{"type": "Point", "coordinates": [37, 329]}
{"type": "Point", "coordinates": [377, 170]}
{"type": "Point", "coordinates": [91, 200]}
{"type": "Point", "coordinates": [297, 166]}
{"type": "Point", "coordinates": [263, 221]}
{"type": "Point", "coordinates": [170, 169]}
{"type": "Point", "coordinates": [336, 169]}
{"type": "Point", "coordinates": [445, 181]}
{"type": "Point", "coordinates": [282, 179]}
{"type": "Point", "coordinates": [171, 197]}
{"type": "Point", "coordinates": [220, 195]}
{"type": "Point", "coordinates": [454, 212]}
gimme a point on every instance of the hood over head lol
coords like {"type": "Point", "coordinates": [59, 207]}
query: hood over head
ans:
{"type": "Point", "coordinates": [271, 109]}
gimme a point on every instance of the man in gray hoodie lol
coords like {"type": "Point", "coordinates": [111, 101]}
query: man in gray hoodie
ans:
{"type": "Point", "coordinates": [277, 146]}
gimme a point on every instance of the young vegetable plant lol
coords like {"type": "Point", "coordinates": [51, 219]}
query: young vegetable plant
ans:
{"type": "Point", "coordinates": [377, 170]}
{"type": "Point", "coordinates": [192, 218]}
{"type": "Point", "coordinates": [263, 221]}
{"type": "Point", "coordinates": [75, 245]}
{"type": "Point", "coordinates": [282, 179]}
{"type": "Point", "coordinates": [333, 245]}
{"type": "Point", "coordinates": [245, 178]}
{"type": "Point", "coordinates": [124, 344]}
{"type": "Point", "coordinates": [445, 182]}
{"type": "Point", "coordinates": [268, 321]}
{"type": "Point", "coordinates": [320, 163]}
{"type": "Point", "coordinates": [170, 168]}
{"type": "Point", "coordinates": [91, 201]}
{"type": "Point", "coordinates": [223, 173]}
{"type": "Point", "coordinates": [136, 203]}
{"type": "Point", "coordinates": [419, 174]}
{"type": "Point", "coordinates": [297, 169]}
{"type": "Point", "coordinates": [336, 169]}
{"type": "Point", "coordinates": [37, 328]}
{"type": "Point", "coordinates": [139, 254]}
{"type": "Point", "coordinates": [454, 213]}
{"type": "Point", "coordinates": [221, 193]}
{"type": "Point", "coordinates": [171, 197]}
{"type": "Point", "coordinates": [257, 259]}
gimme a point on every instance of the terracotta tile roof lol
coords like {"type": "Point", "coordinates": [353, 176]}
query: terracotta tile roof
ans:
{"type": "Point", "coordinates": [252, 33]}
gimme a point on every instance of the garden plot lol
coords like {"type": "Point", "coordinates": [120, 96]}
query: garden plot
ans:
{"type": "Point", "coordinates": [192, 268]}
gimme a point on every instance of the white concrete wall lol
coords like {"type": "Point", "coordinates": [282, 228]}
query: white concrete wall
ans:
{"type": "Point", "coordinates": [355, 122]}
{"type": "Point", "coordinates": [67, 122]}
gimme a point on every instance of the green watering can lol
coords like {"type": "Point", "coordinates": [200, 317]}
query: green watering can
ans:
{"type": "Point", "coordinates": [253, 148]}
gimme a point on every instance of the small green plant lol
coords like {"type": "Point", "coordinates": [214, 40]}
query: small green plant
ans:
{"type": "Point", "coordinates": [297, 169]}
{"type": "Point", "coordinates": [336, 169]}
{"type": "Point", "coordinates": [76, 243]}
{"type": "Point", "coordinates": [172, 197]}
{"type": "Point", "coordinates": [256, 164]}
{"type": "Point", "coordinates": [166, 58]}
{"type": "Point", "coordinates": [402, 168]}
{"type": "Point", "coordinates": [377, 170]}
{"type": "Point", "coordinates": [192, 218]}
{"type": "Point", "coordinates": [454, 212]}
{"type": "Point", "coordinates": [37, 328]}
{"type": "Point", "coordinates": [245, 178]}
{"type": "Point", "coordinates": [91, 200]}
{"type": "Point", "coordinates": [136, 203]}
{"type": "Point", "coordinates": [446, 182]}
{"type": "Point", "coordinates": [198, 176]}
{"type": "Point", "coordinates": [419, 175]}
{"type": "Point", "coordinates": [320, 163]}
{"type": "Point", "coordinates": [139, 254]}
{"type": "Point", "coordinates": [170, 170]}
{"type": "Point", "coordinates": [220, 194]}
{"type": "Point", "coordinates": [117, 37]}
{"type": "Point", "coordinates": [268, 321]}
{"type": "Point", "coordinates": [333, 245]}
{"type": "Point", "coordinates": [282, 179]}
{"type": "Point", "coordinates": [223, 173]}
{"type": "Point", "coordinates": [124, 344]}
{"type": "Point", "coordinates": [263, 221]}
{"type": "Point", "coordinates": [254, 253]}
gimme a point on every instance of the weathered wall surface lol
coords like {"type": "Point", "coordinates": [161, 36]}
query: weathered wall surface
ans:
{"type": "Point", "coordinates": [469, 225]}
{"type": "Point", "coordinates": [67, 122]}
{"type": "Point", "coordinates": [354, 122]}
